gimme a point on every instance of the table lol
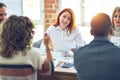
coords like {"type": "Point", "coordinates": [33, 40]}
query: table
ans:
{"type": "Point", "coordinates": [61, 73]}
{"type": "Point", "coordinates": [65, 73]}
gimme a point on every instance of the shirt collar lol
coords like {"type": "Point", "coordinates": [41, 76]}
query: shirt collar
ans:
{"type": "Point", "coordinates": [101, 38]}
{"type": "Point", "coordinates": [58, 28]}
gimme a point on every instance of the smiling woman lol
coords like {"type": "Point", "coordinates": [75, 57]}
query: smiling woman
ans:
{"type": "Point", "coordinates": [116, 21]}
{"type": "Point", "coordinates": [76, 8]}
{"type": "Point", "coordinates": [64, 33]}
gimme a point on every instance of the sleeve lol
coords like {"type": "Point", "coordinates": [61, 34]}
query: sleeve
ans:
{"type": "Point", "coordinates": [45, 67]}
{"type": "Point", "coordinates": [49, 30]}
{"type": "Point", "coordinates": [39, 60]}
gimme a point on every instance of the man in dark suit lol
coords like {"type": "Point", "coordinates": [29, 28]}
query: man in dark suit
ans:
{"type": "Point", "coordinates": [100, 59]}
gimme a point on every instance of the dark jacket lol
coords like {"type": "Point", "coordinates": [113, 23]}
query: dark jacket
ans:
{"type": "Point", "coordinates": [99, 60]}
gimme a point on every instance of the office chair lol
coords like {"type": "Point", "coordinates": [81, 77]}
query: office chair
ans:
{"type": "Point", "coordinates": [37, 43]}
{"type": "Point", "coordinates": [17, 72]}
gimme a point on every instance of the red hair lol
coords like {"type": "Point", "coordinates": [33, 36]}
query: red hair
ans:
{"type": "Point", "coordinates": [72, 24]}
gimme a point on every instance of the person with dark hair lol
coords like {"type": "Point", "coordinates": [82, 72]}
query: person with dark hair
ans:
{"type": "Point", "coordinates": [99, 60]}
{"type": "Point", "coordinates": [3, 12]}
{"type": "Point", "coordinates": [16, 39]}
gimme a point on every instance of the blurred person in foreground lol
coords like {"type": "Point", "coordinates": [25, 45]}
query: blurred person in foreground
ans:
{"type": "Point", "coordinates": [3, 12]}
{"type": "Point", "coordinates": [16, 39]}
{"type": "Point", "coordinates": [99, 60]}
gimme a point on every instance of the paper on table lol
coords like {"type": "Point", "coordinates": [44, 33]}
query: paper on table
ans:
{"type": "Point", "coordinates": [58, 57]}
{"type": "Point", "coordinates": [64, 46]}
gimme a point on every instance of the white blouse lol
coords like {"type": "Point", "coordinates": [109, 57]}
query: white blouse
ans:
{"type": "Point", "coordinates": [64, 41]}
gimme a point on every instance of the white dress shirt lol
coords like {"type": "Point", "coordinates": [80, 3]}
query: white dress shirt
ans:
{"type": "Point", "coordinates": [64, 41]}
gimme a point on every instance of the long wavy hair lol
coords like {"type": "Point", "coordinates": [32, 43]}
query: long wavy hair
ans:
{"type": "Point", "coordinates": [72, 24]}
{"type": "Point", "coordinates": [17, 34]}
{"type": "Point", "coordinates": [117, 9]}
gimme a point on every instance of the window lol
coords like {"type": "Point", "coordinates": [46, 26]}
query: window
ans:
{"type": "Point", "coordinates": [86, 9]}
{"type": "Point", "coordinates": [14, 7]}
{"type": "Point", "coordinates": [34, 9]}
{"type": "Point", "coordinates": [105, 6]}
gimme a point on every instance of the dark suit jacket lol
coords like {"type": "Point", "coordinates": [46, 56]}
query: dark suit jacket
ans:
{"type": "Point", "coordinates": [99, 60]}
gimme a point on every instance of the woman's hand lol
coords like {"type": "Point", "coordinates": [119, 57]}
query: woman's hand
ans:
{"type": "Point", "coordinates": [48, 48]}
{"type": "Point", "coordinates": [48, 42]}
{"type": "Point", "coordinates": [73, 49]}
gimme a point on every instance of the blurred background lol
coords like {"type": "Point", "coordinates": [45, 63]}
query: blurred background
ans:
{"type": "Point", "coordinates": [43, 12]}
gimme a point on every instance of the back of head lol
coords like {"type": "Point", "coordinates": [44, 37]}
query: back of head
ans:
{"type": "Point", "coordinates": [100, 25]}
{"type": "Point", "coordinates": [16, 35]}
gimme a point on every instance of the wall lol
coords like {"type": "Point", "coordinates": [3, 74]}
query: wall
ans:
{"type": "Point", "coordinates": [51, 8]}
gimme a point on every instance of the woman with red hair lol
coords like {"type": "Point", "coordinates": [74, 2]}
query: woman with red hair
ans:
{"type": "Point", "coordinates": [63, 33]}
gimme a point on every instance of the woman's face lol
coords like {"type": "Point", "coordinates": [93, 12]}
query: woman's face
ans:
{"type": "Point", "coordinates": [65, 19]}
{"type": "Point", "coordinates": [116, 18]}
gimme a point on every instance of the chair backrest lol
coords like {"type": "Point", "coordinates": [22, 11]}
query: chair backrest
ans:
{"type": "Point", "coordinates": [37, 43]}
{"type": "Point", "coordinates": [17, 72]}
